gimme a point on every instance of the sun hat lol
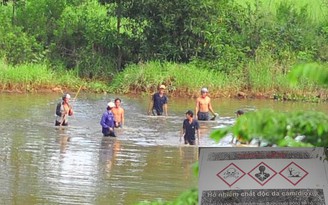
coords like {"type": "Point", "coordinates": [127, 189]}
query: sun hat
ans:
{"type": "Point", "coordinates": [68, 96]}
{"type": "Point", "coordinates": [162, 87]}
{"type": "Point", "coordinates": [204, 90]}
{"type": "Point", "coordinates": [111, 104]}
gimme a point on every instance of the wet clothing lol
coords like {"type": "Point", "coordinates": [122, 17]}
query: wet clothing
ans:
{"type": "Point", "coordinates": [106, 122]}
{"type": "Point", "coordinates": [62, 110]}
{"type": "Point", "coordinates": [203, 116]}
{"type": "Point", "coordinates": [57, 123]}
{"type": "Point", "coordinates": [190, 131]}
{"type": "Point", "coordinates": [119, 124]}
{"type": "Point", "coordinates": [158, 103]}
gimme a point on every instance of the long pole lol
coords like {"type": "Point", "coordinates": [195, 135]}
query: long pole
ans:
{"type": "Point", "coordinates": [77, 93]}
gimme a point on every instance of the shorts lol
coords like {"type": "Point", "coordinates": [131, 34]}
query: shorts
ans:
{"type": "Point", "coordinates": [189, 141]}
{"type": "Point", "coordinates": [57, 123]}
{"type": "Point", "coordinates": [203, 116]}
{"type": "Point", "coordinates": [108, 133]}
{"type": "Point", "coordinates": [119, 125]}
{"type": "Point", "coordinates": [155, 112]}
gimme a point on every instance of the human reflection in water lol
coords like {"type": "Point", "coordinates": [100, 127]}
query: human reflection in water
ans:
{"type": "Point", "coordinates": [107, 153]}
{"type": "Point", "coordinates": [63, 140]}
{"type": "Point", "coordinates": [188, 155]}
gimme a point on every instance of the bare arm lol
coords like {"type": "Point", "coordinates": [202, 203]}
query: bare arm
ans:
{"type": "Point", "coordinates": [122, 117]}
{"type": "Point", "coordinates": [182, 133]}
{"type": "Point", "coordinates": [197, 106]}
{"type": "Point", "coordinates": [210, 108]}
{"type": "Point", "coordinates": [198, 134]}
{"type": "Point", "coordinates": [165, 109]}
{"type": "Point", "coordinates": [150, 106]}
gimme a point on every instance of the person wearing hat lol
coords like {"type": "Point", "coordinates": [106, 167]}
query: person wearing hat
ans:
{"type": "Point", "coordinates": [107, 121]}
{"type": "Point", "coordinates": [190, 128]}
{"type": "Point", "coordinates": [204, 106]}
{"type": "Point", "coordinates": [158, 103]}
{"type": "Point", "coordinates": [63, 110]}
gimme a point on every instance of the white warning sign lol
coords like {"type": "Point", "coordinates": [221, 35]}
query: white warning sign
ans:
{"type": "Point", "coordinates": [263, 176]}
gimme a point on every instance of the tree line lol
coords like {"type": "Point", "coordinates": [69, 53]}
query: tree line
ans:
{"type": "Point", "coordinates": [101, 37]}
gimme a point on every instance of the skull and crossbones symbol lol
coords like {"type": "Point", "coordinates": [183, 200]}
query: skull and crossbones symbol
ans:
{"type": "Point", "coordinates": [231, 172]}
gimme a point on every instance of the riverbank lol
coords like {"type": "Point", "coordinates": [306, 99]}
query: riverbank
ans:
{"type": "Point", "coordinates": [182, 80]}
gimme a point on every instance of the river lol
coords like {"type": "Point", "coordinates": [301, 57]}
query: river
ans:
{"type": "Point", "coordinates": [44, 164]}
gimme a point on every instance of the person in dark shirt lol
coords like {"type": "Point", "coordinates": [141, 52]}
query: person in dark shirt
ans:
{"type": "Point", "coordinates": [158, 103]}
{"type": "Point", "coordinates": [107, 121]}
{"type": "Point", "coordinates": [190, 128]}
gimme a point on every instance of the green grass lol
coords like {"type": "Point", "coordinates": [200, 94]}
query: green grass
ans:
{"type": "Point", "coordinates": [35, 77]}
{"type": "Point", "coordinates": [180, 79]}
{"type": "Point", "coordinates": [318, 9]}
{"type": "Point", "coordinates": [258, 77]}
{"type": "Point", "coordinates": [262, 76]}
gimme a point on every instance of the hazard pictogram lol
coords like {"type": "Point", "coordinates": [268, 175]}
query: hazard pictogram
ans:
{"type": "Point", "coordinates": [293, 173]}
{"type": "Point", "coordinates": [262, 173]}
{"type": "Point", "coordinates": [231, 174]}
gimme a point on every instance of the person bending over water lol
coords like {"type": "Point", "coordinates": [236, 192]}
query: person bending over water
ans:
{"type": "Point", "coordinates": [204, 106]}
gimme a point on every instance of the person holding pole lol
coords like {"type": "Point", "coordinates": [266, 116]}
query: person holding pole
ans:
{"type": "Point", "coordinates": [63, 110]}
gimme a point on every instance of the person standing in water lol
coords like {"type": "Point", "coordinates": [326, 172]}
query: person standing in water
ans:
{"type": "Point", "coordinates": [158, 103]}
{"type": "Point", "coordinates": [118, 112]}
{"type": "Point", "coordinates": [107, 121]}
{"type": "Point", "coordinates": [204, 106]}
{"type": "Point", "coordinates": [190, 128]}
{"type": "Point", "coordinates": [63, 110]}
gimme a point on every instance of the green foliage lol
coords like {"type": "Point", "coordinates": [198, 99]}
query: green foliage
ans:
{"type": "Point", "coordinates": [282, 129]}
{"type": "Point", "coordinates": [34, 77]}
{"type": "Point", "coordinates": [180, 78]}
{"type": "Point", "coordinates": [100, 39]}
{"type": "Point", "coordinates": [84, 37]}
{"type": "Point", "coordinates": [189, 197]}
{"type": "Point", "coordinates": [313, 71]}
{"type": "Point", "coordinates": [15, 45]}
{"type": "Point", "coordinates": [26, 77]}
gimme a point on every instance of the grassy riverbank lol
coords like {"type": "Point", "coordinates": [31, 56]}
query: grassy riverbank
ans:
{"type": "Point", "coordinates": [41, 78]}
{"type": "Point", "coordinates": [259, 79]}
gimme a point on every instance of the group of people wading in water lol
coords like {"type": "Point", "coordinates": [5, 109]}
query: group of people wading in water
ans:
{"type": "Point", "coordinates": [113, 117]}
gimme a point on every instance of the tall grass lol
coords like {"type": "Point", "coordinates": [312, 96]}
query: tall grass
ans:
{"type": "Point", "coordinates": [317, 9]}
{"type": "Point", "coordinates": [36, 77]}
{"type": "Point", "coordinates": [181, 79]}
{"type": "Point", "coordinates": [261, 76]}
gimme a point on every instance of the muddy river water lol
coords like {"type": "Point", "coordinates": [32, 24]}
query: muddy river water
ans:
{"type": "Point", "coordinates": [44, 164]}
